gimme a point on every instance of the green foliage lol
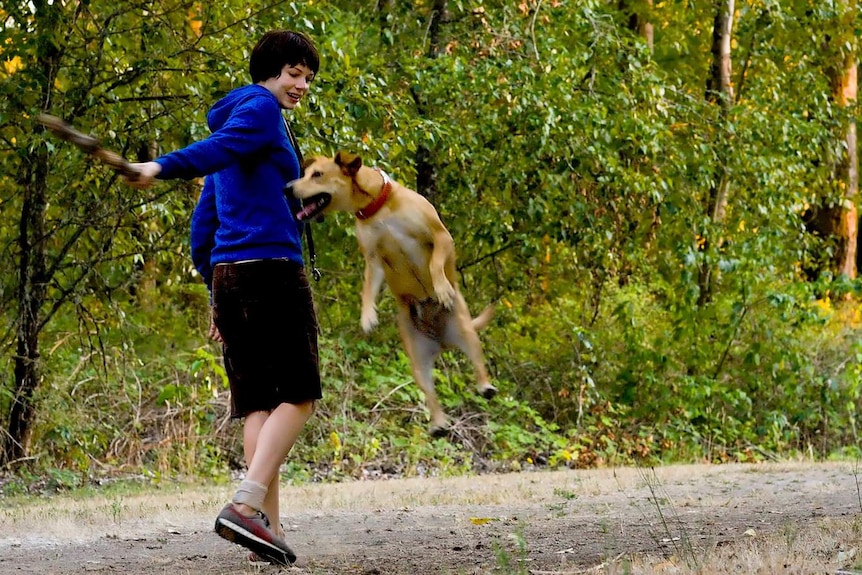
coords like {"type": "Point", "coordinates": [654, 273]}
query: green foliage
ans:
{"type": "Point", "coordinates": [572, 165]}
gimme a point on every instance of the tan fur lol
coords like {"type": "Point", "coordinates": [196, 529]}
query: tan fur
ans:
{"type": "Point", "coordinates": [406, 245]}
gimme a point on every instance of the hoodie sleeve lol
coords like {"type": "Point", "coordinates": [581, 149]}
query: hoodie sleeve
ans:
{"type": "Point", "coordinates": [252, 125]}
{"type": "Point", "coordinates": [203, 229]}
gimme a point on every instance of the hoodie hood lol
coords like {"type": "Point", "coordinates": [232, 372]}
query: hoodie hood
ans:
{"type": "Point", "coordinates": [222, 109]}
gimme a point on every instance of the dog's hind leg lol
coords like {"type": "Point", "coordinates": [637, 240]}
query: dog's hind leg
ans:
{"type": "Point", "coordinates": [423, 351]}
{"type": "Point", "coordinates": [461, 333]}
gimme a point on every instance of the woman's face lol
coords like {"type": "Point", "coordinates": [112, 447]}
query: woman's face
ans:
{"type": "Point", "coordinates": [291, 85]}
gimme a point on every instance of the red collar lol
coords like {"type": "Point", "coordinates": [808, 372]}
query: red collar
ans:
{"type": "Point", "coordinates": [378, 202]}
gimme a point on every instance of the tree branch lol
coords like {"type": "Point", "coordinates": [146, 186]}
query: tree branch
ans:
{"type": "Point", "coordinates": [480, 259]}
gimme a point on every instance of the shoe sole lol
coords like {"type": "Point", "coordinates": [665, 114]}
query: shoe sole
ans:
{"type": "Point", "coordinates": [238, 534]}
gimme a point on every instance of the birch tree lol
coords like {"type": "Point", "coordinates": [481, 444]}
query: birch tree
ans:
{"type": "Point", "coordinates": [719, 92]}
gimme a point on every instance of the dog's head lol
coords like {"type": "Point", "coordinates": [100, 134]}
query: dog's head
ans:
{"type": "Point", "coordinates": [328, 184]}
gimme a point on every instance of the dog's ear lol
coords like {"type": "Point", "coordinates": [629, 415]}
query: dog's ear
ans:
{"type": "Point", "coordinates": [348, 162]}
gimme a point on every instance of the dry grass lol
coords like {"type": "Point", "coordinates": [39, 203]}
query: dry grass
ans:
{"type": "Point", "coordinates": [64, 518]}
{"type": "Point", "coordinates": [826, 546]}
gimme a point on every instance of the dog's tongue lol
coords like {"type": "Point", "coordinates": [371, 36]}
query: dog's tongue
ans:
{"type": "Point", "coordinates": [313, 208]}
{"type": "Point", "coordinates": [306, 212]}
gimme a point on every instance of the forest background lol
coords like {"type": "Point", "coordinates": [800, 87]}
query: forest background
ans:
{"type": "Point", "coordinates": [658, 196]}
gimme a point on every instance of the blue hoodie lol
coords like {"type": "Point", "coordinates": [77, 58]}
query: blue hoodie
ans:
{"type": "Point", "coordinates": [242, 213]}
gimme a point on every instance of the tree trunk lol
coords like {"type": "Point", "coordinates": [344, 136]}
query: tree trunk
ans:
{"type": "Point", "coordinates": [839, 220]}
{"type": "Point", "coordinates": [638, 19]}
{"type": "Point", "coordinates": [636, 13]}
{"type": "Point", "coordinates": [426, 173]}
{"type": "Point", "coordinates": [32, 281]}
{"type": "Point", "coordinates": [719, 90]}
{"type": "Point", "coordinates": [439, 15]}
{"type": "Point", "coordinates": [847, 172]}
{"type": "Point", "coordinates": [31, 295]}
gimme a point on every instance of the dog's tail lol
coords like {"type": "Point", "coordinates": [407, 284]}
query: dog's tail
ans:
{"type": "Point", "coordinates": [481, 320]}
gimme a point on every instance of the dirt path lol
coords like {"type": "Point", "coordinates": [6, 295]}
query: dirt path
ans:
{"type": "Point", "coordinates": [537, 522]}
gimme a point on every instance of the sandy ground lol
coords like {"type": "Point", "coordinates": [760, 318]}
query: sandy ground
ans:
{"type": "Point", "coordinates": [541, 523]}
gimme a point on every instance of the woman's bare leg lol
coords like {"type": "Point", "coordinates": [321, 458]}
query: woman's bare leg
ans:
{"type": "Point", "coordinates": [267, 439]}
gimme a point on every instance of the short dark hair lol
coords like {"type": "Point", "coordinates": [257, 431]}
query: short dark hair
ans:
{"type": "Point", "coordinates": [279, 48]}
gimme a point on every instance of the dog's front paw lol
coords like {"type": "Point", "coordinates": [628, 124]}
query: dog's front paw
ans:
{"type": "Point", "coordinates": [369, 321]}
{"type": "Point", "coordinates": [445, 295]}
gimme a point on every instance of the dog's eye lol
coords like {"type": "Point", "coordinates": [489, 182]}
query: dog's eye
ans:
{"type": "Point", "coordinates": [316, 174]}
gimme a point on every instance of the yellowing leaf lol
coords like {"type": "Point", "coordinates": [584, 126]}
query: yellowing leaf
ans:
{"type": "Point", "coordinates": [13, 65]}
{"type": "Point", "coordinates": [195, 21]}
{"type": "Point", "coordinates": [480, 520]}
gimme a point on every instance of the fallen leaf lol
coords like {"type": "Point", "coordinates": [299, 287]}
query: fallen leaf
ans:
{"type": "Point", "coordinates": [846, 555]}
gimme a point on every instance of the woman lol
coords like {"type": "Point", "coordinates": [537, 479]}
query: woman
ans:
{"type": "Point", "coordinates": [246, 244]}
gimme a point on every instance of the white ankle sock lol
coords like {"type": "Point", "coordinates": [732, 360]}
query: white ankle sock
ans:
{"type": "Point", "coordinates": [250, 493]}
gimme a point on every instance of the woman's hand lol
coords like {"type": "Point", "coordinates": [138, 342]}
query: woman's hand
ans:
{"type": "Point", "coordinates": [147, 172]}
{"type": "Point", "coordinates": [214, 333]}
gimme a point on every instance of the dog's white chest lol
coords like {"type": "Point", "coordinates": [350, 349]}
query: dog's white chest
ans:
{"type": "Point", "coordinates": [396, 243]}
{"type": "Point", "coordinates": [386, 232]}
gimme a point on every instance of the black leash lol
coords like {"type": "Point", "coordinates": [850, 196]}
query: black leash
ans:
{"type": "Point", "coordinates": [309, 238]}
{"type": "Point", "coordinates": [312, 256]}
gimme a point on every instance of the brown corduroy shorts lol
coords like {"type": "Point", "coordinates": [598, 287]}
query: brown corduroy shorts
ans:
{"type": "Point", "coordinates": [265, 314]}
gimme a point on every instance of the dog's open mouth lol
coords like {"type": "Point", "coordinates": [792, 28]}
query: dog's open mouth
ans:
{"type": "Point", "coordinates": [313, 207]}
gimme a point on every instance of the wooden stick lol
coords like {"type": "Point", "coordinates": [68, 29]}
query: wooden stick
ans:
{"type": "Point", "coordinates": [89, 144]}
